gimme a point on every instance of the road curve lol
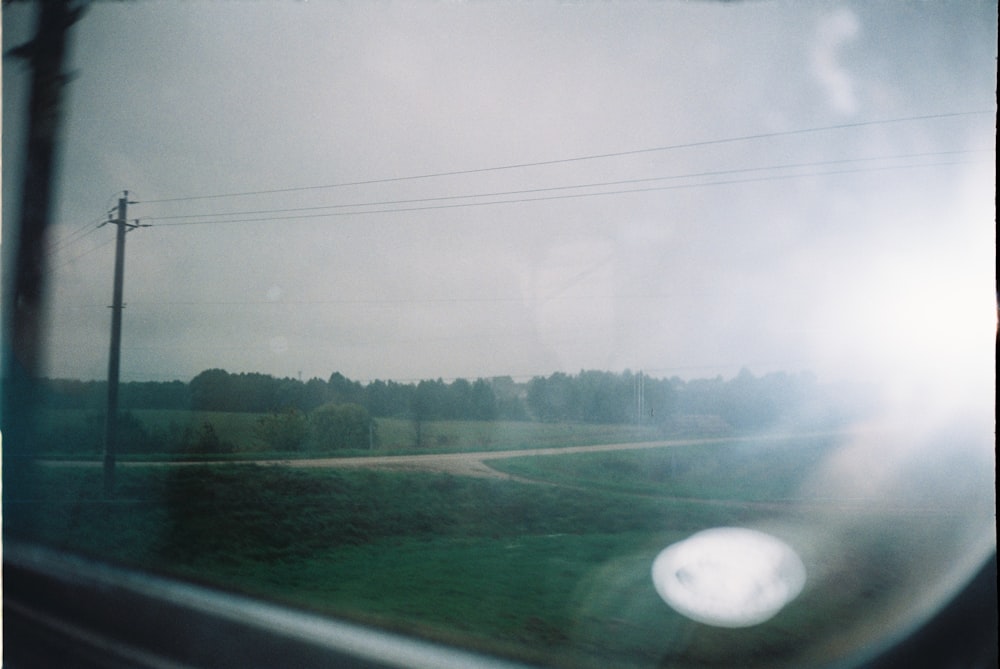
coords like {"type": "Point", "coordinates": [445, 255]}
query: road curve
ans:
{"type": "Point", "coordinates": [474, 463]}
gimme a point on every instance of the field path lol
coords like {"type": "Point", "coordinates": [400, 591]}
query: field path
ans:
{"type": "Point", "coordinates": [475, 463]}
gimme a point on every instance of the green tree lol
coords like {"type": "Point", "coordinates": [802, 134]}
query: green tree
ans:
{"type": "Point", "coordinates": [315, 394]}
{"type": "Point", "coordinates": [212, 390]}
{"type": "Point", "coordinates": [553, 398]}
{"type": "Point", "coordinates": [458, 400]}
{"type": "Point", "coordinates": [483, 401]}
{"type": "Point", "coordinates": [342, 389]}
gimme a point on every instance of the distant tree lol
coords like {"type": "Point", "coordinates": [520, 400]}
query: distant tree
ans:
{"type": "Point", "coordinates": [212, 390]}
{"type": "Point", "coordinates": [435, 396]}
{"type": "Point", "coordinates": [457, 401]}
{"type": "Point", "coordinates": [316, 393]}
{"type": "Point", "coordinates": [74, 394]}
{"type": "Point", "coordinates": [388, 398]}
{"type": "Point", "coordinates": [700, 396]}
{"type": "Point", "coordinates": [342, 390]}
{"type": "Point", "coordinates": [155, 395]}
{"type": "Point", "coordinates": [254, 392]}
{"type": "Point", "coordinates": [603, 397]}
{"type": "Point", "coordinates": [425, 405]}
{"type": "Point", "coordinates": [660, 401]}
{"type": "Point", "coordinates": [483, 401]}
{"type": "Point", "coordinates": [509, 398]}
{"type": "Point", "coordinates": [290, 394]}
{"type": "Point", "coordinates": [553, 398]}
{"type": "Point", "coordinates": [218, 390]}
{"type": "Point", "coordinates": [341, 426]}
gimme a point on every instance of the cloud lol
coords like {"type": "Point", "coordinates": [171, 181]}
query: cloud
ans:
{"type": "Point", "coordinates": [835, 30]}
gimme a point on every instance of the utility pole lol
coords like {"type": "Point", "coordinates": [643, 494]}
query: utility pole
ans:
{"type": "Point", "coordinates": [114, 356]}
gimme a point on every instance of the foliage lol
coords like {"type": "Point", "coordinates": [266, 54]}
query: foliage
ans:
{"type": "Point", "coordinates": [601, 397]}
{"type": "Point", "coordinates": [341, 426]}
{"type": "Point", "coordinates": [86, 436]}
{"type": "Point", "coordinates": [744, 403]}
{"type": "Point", "coordinates": [132, 395]}
{"type": "Point", "coordinates": [342, 390]}
{"type": "Point", "coordinates": [82, 434]}
{"type": "Point", "coordinates": [283, 431]}
{"type": "Point", "coordinates": [218, 390]}
{"type": "Point", "coordinates": [205, 440]}
{"type": "Point", "coordinates": [554, 574]}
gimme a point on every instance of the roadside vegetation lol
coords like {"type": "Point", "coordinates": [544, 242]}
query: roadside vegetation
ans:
{"type": "Point", "coordinates": [244, 416]}
{"type": "Point", "coordinates": [555, 573]}
{"type": "Point", "coordinates": [552, 567]}
{"type": "Point", "coordinates": [163, 434]}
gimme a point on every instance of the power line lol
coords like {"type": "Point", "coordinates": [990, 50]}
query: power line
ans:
{"type": "Point", "coordinates": [70, 261]}
{"type": "Point", "coordinates": [564, 196]}
{"type": "Point", "coordinates": [73, 236]}
{"type": "Point", "coordinates": [87, 228]}
{"type": "Point", "coordinates": [557, 161]}
{"type": "Point", "coordinates": [138, 304]}
{"type": "Point", "coordinates": [691, 175]}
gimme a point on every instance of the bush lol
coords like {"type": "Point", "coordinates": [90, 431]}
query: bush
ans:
{"type": "Point", "coordinates": [285, 431]}
{"type": "Point", "coordinates": [205, 440]}
{"type": "Point", "coordinates": [87, 436]}
{"type": "Point", "coordinates": [341, 426]}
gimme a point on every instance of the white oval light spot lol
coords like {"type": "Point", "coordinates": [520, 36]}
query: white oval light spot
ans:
{"type": "Point", "coordinates": [729, 576]}
{"type": "Point", "coordinates": [278, 344]}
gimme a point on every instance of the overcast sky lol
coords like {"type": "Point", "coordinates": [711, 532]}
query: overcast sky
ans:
{"type": "Point", "coordinates": [765, 201]}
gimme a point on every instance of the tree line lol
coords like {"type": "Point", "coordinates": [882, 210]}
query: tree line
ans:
{"type": "Point", "coordinates": [745, 401]}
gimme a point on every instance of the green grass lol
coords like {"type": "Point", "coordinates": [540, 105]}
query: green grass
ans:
{"type": "Point", "coordinates": [750, 470]}
{"type": "Point", "coordinates": [556, 574]}
{"type": "Point", "coordinates": [494, 564]}
{"type": "Point", "coordinates": [451, 436]}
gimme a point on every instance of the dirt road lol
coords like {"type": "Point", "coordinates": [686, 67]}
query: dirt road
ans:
{"type": "Point", "coordinates": [471, 463]}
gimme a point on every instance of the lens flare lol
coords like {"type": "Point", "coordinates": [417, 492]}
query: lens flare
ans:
{"type": "Point", "coordinates": [728, 576]}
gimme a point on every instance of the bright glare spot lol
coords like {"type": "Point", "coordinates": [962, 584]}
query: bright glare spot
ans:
{"type": "Point", "coordinates": [728, 576]}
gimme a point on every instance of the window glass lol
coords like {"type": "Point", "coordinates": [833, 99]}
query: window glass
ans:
{"type": "Point", "coordinates": [583, 334]}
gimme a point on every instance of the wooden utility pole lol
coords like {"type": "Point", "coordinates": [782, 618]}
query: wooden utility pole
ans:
{"type": "Point", "coordinates": [114, 355]}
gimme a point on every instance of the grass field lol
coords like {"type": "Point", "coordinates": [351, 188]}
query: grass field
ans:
{"type": "Point", "coordinates": [730, 470]}
{"type": "Point", "coordinates": [557, 574]}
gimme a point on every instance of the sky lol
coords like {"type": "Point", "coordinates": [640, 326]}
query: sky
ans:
{"type": "Point", "coordinates": [407, 190]}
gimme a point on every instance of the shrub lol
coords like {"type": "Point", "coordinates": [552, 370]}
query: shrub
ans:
{"type": "Point", "coordinates": [205, 440]}
{"type": "Point", "coordinates": [341, 426]}
{"type": "Point", "coordinates": [284, 431]}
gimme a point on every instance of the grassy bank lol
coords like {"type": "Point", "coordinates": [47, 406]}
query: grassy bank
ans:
{"type": "Point", "coordinates": [747, 470]}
